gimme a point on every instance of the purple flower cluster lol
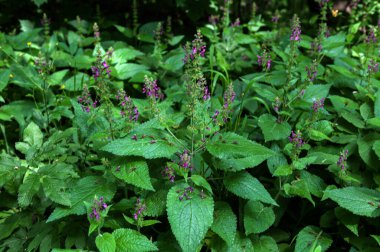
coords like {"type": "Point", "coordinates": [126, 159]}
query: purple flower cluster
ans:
{"type": "Point", "coordinates": [86, 101]}
{"type": "Point", "coordinates": [198, 48]}
{"type": "Point", "coordinates": [214, 117]}
{"type": "Point", "coordinates": [296, 139]}
{"type": "Point", "coordinates": [312, 71]}
{"type": "Point", "coordinates": [97, 71]}
{"type": "Point", "coordinates": [342, 162]}
{"type": "Point", "coordinates": [96, 31]}
{"type": "Point", "coordinates": [185, 160]}
{"type": "Point", "coordinates": [275, 18]}
{"type": "Point", "coordinates": [296, 29]}
{"type": "Point", "coordinates": [236, 23]}
{"type": "Point", "coordinates": [169, 173]}
{"type": "Point", "coordinates": [264, 61]}
{"type": "Point", "coordinates": [97, 207]}
{"type": "Point", "coordinates": [206, 93]}
{"type": "Point", "coordinates": [371, 38]}
{"type": "Point", "coordinates": [151, 89]}
{"type": "Point", "coordinates": [373, 67]}
{"type": "Point", "coordinates": [318, 104]}
{"type": "Point", "coordinates": [127, 108]}
{"type": "Point", "coordinates": [186, 192]}
{"type": "Point", "coordinates": [229, 96]}
{"type": "Point", "coordinates": [277, 104]}
{"type": "Point", "coordinates": [213, 19]}
{"type": "Point", "coordinates": [139, 209]}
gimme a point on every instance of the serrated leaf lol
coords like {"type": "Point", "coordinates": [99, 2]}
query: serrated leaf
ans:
{"type": "Point", "coordinates": [105, 242]}
{"type": "Point", "coordinates": [348, 219]}
{"type": "Point", "coordinates": [225, 222]}
{"type": "Point", "coordinates": [128, 70]}
{"type": "Point", "coordinates": [308, 235]}
{"type": "Point", "coordinates": [238, 152]}
{"type": "Point", "coordinates": [33, 135]}
{"type": "Point", "coordinates": [299, 188]}
{"type": "Point", "coordinates": [273, 130]}
{"type": "Point", "coordinates": [189, 218]}
{"type": "Point", "coordinates": [28, 189]}
{"type": "Point", "coordinates": [245, 186]}
{"type": "Point", "coordinates": [283, 170]}
{"type": "Point", "coordinates": [54, 190]}
{"type": "Point", "coordinates": [146, 147]}
{"type": "Point", "coordinates": [358, 200]}
{"type": "Point", "coordinates": [132, 241]}
{"type": "Point", "coordinates": [135, 173]}
{"type": "Point", "coordinates": [156, 203]}
{"type": "Point", "coordinates": [257, 218]}
{"type": "Point", "coordinates": [264, 244]}
{"type": "Point", "coordinates": [354, 118]}
{"type": "Point", "coordinates": [376, 148]}
{"type": "Point", "coordinates": [202, 182]}
{"type": "Point", "coordinates": [84, 190]}
{"type": "Point", "coordinates": [314, 183]}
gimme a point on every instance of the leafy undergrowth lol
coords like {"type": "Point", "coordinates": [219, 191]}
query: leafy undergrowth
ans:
{"type": "Point", "coordinates": [253, 136]}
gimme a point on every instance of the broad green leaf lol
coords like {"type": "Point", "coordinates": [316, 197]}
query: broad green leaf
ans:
{"type": "Point", "coordinates": [54, 190]}
{"type": "Point", "coordinates": [298, 188]}
{"type": "Point", "coordinates": [377, 104]}
{"type": "Point", "coordinates": [365, 145]}
{"type": "Point", "coordinates": [342, 103]}
{"type": "Point", "coordinates": [302, 163]}
{"type": "Point", "coordinates": [245, 186]}
{"type": "Point", "coordinates": [122, 55]}
{"type": "Point", "coordinates": [257, 217]}
{"type": "Point", "coordinates": [33, 135]}
{"type": "Point", "coordinates": [237, 152]}
{"type": "Point", "coordinates": [84, 190]}
{"type": "Point", "coordinates": [4, 77]}
{"type": "Point", "coordinates": [283, 170]}
{"type": "Point", "coordinates": [225, 222]}
{"type": "Point", "coordinates": [202, 182]}
{"type": "Point", "coordinates": [105, 242]}
{"type": "Point", "coordinates": [76, 82]}
{"type": "Point", "coordinates": [132, 241]}
{"type": "Point", "coordinates": [348, 219]}
{"type": "Point", "coordinates": [272, 129]}
{"type": "Point", "coordinates": [28, 189]}
{"type": "Point", "coordinates": [264, 244]}
{"type": "Point", "coordinates": [128, 70]}
{"type": "Point", "coordinates": [156, 203]}
{"type": "Point", "coordinates": [135, 173]}
{"type": "Point", "coordinates": [314, 183]}
{"type": "Point", "coordinates": [320, 130]}
{"type": "Point", "coordinates": [155, 144]}
{"type": "Point", "coordinates": [376, 148]}
{"type": "Point", "coordinates": [354, 118]}
{"type": "Point", "coordinates": [308, 235]}
{"type": "Point", "coordinates": [189, 218]}
{"type": "Point", "coordinates": [358, 200]}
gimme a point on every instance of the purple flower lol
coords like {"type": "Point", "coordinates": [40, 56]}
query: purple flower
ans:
{"type": "Point", "coordinates": [373, 67]}
{"type": "Point", "coordinates": [139, 209]}
{"type": "Point", "coordinates": [296, 29]}
{"type": "Point", "coordinates": [236, 23]}
{"type": "Point", "coordinates": [186, 193]}
{"type": "Point", "coordinates": [169, 173]}
{"type": "Point", "coordinates": [312, 71]}
{"type": "Point", "coordinates": [151, 89]}
{"type": "Point", "coordinates": [85, 100]}
{"type": "Point", "coordinates": [296, 139]}
{"type": "Point", "coordinates": [371, 38]}
{"type": "Point", "coordinates": [128, 109]}
{"type": "Point", "coordinates": [342, 161]}
{"type": "Point", "coordinates": [214, 20]}
{"type": "Point", "coordinates": [97, 207]}
{"type": "Point", "coordinates": [275, 19]}
{"type": "Point", "coordinates": [264, 60]}
{"type": "Point", "coordinates": [206, 95]}
{"type": "Point", "coordinates": [185, 160]}
{"type": "Point", "coordinates": [318, 104]}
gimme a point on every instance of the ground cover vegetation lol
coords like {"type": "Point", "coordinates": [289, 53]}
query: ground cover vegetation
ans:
{"type": "Point", "coordinates": [250, 129]}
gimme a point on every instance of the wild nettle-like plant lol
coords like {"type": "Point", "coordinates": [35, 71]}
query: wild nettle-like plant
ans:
{"type": "Point", "coordinates": [252, 136]}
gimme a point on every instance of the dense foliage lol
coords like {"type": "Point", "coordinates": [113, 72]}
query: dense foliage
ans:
{"type": "Point", "coordinates": [251, 136]}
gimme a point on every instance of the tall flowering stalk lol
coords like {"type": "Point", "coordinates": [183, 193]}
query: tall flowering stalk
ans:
{"type": "Point", "coordinates": [128, 109]}
{"type": "Point", "coordinates": [140, 207]}
{"type": "Point", "coordinates": [153, 93]}
{"type": "Point", "coordinates": [342, 161]}
{"type": "Point", "coordinates": [297, 142]}
{"type": "Point", "coordinates": [312, 71]}
{"type": "Point", "coordinates": [98, 206]}
{"type": "Point", "coordinates": [86, 101]}
{"type": "Point", "coordinates": [264, 61]}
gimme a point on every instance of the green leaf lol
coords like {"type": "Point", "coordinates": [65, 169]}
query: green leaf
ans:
{"type": "Point", "coordinates": [245, 186]}
{"type": "Point", "coordinates": [54, 190]}
{"type": "Point", "coordinates": [84, 190]}
{"type": "Point", "coordinates": [124, 54]}
{"type": "Point", "coordinates": [76, 82]}
{"type": "Point", "coordinates": [273, 130]}
{"type": "Point", "coordinates": [237, 152]}
{"type": "Point", "coordinates": [28, 189]}
{"type": "Point", "coordinates": [128, 70]}
{"type": "Point", "coordinates": [202, 182]}
{"type": "Point", "coordinates": [132, 241]}
{"type": "Point", "coordinates": [225, 222]}
{"type": "Point", "coordinates": [377, 104]}
{"type": "Point", "coordinates": [33, 135]}
{"type": "Point", "coordinates": [283, 170]}
{"type": "Point", "coordinates": [308, 235]}
{"type": "Point", "coordinates": [189, 218]}
{"type": "Point", "coordinates": [135, 173]}
{"type": "Point", "coordinates": [264, 244]}
{"type": "Point", "coordinates": [314, 183]}
{"type": "Point", "coordinates": [156, 203]}
{"type": "Point", "coordinates": [160, 146]}
{"type": "Point", "coordinates": [354, 118]}
{"type": "Point", "coordinates": [299, 188]}
{"type": "Point", "coordinates": [4, 77]}
{"type": "Point", "coordinates": [376, 147]}
{"type": "Point", "coordinates": [358, 200]}
{"type": "Point", "coordinates": [348, 219]}
{"type": "Point", "coordinates": [365, 144]}
{"type": "Point", "coordinates": [257, 218]}
{"type": "Point", "coordinates": [105, 242]}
